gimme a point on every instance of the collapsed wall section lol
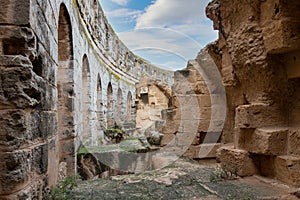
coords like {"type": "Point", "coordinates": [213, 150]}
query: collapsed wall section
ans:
{"type": "Point", "coordinates": [257, 53]}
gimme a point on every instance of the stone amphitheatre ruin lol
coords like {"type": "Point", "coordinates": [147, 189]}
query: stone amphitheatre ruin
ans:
{"type": "Point", "coordinates": [66, 76]}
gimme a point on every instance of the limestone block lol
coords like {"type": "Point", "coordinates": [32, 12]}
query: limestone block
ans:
{"type": "Point", "coordinates": [281, 36]}
{"type": "Point", "coordinates": [18, 127]}
{"type": "Point", "coordinates": [18, 86]}
{"type": "Point", "coordinates": [18, 41]}
{"type": "Point", "coordinates": [294, 142]}
{"type": "Point", "coordinates": [10, 12]}
{"type": "Point", "coordinates": [202, 151]}
{"type": "Point", "coordinates": [17, 168]}
{"type": "Point", "coordinates": [288, 169]}
{"type": "Point", "coordinates": [257, 116]}
{"type": "Point", "coordinates": [13, 129]}
{"type": "Point", "coordinates": [236, 161]}
{"type": "Point", "coordinates": [267, 141]}
{"type": "Point", "coordinates": [48, 99]}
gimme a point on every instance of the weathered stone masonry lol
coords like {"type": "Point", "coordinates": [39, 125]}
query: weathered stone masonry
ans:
{"type": "Point", "coordinates": [258, 56]}
{"type": "Point", "coordinates": [64, 75]}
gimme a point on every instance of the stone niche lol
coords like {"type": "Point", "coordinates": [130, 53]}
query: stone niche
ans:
{"type": "Point", "coordinates": [260, 43]}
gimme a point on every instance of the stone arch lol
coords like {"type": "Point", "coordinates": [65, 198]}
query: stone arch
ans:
{"type": "Point", "coordinates": [65, 87]}
{"type": "Point", "coordinates": [109, 106]}
{"type": "Point", "coordinates": [99, 104]}
{"type": "Point", "coordinates": [86, 101]}
{"type": "Point", "coordinates": [129, 106]}
{"type": "Point", "coordinates": [117, 46]}
{"type": "Point", "coordinates": [136, 67]}
{"type": "Point", "coordinates": [95, 12]}
{"type": "Point", "coordinates": [106, 37]}
{"type": "Point", "coordinates": [119, 107]}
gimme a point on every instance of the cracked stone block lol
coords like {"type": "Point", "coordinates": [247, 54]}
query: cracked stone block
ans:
{"type": "Point", "coordinates": [288, 169]}
{"type": "Point", "coordinates": [257, 116]}
{"type": "Point", "coordinates": [267, 141]}
{"type": "Point", "coordinates": [18, 168]}
{"type": "Point", "coordinates": [236, 161]}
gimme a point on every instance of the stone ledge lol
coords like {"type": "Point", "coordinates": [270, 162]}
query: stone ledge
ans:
{"type": "Point", "coordinates": [272, 141]}
{"type": "Point", "coordinates": [257, 116]}
{"type": "Point", "coordinates": [236, 161]}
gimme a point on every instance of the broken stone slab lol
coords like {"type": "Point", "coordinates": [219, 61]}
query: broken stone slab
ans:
{"type": "Point", "coordinates": [127, 156]}
{"type": "Point", "coordinates": [236, 161]}
{"type": "Point", "coordinates": [272, 141]}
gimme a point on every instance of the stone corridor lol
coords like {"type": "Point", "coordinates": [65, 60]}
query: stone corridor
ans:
{"type": "Point", "coordinates": [73, 95]}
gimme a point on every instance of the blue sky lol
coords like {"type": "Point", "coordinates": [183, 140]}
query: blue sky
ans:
{"type": "Point", "coordinates": [168, 33]}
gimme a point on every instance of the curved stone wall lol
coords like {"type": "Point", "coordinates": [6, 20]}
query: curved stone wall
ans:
{"type": "Point", "coordinates": [64, 75]}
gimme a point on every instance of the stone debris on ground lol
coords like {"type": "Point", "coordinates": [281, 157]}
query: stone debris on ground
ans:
{"type": "Point", "coordinates": [184, 179]}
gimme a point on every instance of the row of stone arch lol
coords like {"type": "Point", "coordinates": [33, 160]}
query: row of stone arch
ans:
{"type": "Point", "coordinates": [116, 112]}
{"type": "Point", "coordinates": [92, 114]}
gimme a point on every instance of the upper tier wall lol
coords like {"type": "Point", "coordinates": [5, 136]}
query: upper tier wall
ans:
{"type": "Point", "coordinates": [119, 58]}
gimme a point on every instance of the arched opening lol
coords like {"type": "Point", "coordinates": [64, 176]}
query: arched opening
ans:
{"type": "Point", "coordinates": [95, 12]}
{"type": "Point", "coordinates": [65, 88]}
{"type": "Point", "coordinates": [106, 38]}
{"type": "Point", "coordinates": [120, 108]}
{"type": "Point", "coordinates": [129, 106]}
{"type": "Point", "coordinates": [117, 51]}
{"type": "Point", "coordinates": [136, 67]}
{"type": "Point", "coordinates": [100, 116]}
{"type": "Point", "coordinates": [86, 102]}
{"type": "Point", "coordinates": [109, 107]}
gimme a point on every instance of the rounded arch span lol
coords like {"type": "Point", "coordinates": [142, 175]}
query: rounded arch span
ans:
{"type": "Point", "coordinates": [129, 106]}
{"type": "Point", "coordinates": [120, 108]}
{"type": "Point", "coordinates": [65, 90]}
{"type": "Point", "coordinates": [109, 106]}
{"type": "Point", "coordinates": [100, 114]}
{"type": "Point", "coordinates": [86, 135]}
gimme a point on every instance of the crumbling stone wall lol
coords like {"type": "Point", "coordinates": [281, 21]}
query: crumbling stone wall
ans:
{"type": "Point", "coordinates": [57, 59]}
{"type": "Point", "coordinates": [153, 98]}
{"type": "Point", "coordinates": [198, 107]}
{"type": "Point", "coordinates": [258, 56]}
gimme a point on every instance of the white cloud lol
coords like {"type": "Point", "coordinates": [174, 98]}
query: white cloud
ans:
{"type": "Point", "coordinates": [121, 2]}
{"type": "Point", "coordinates": [123, 12]}
{"type": "Point", "coordinates": [171, 12]}
{"type": "Point", "coordinates": [179, 30]}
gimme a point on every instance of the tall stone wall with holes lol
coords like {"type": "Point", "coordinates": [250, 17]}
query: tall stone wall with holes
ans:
{"type": "Point", "coordinates": [62, 72]}
{"type": "Point", "coordinates": [258, 56]}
